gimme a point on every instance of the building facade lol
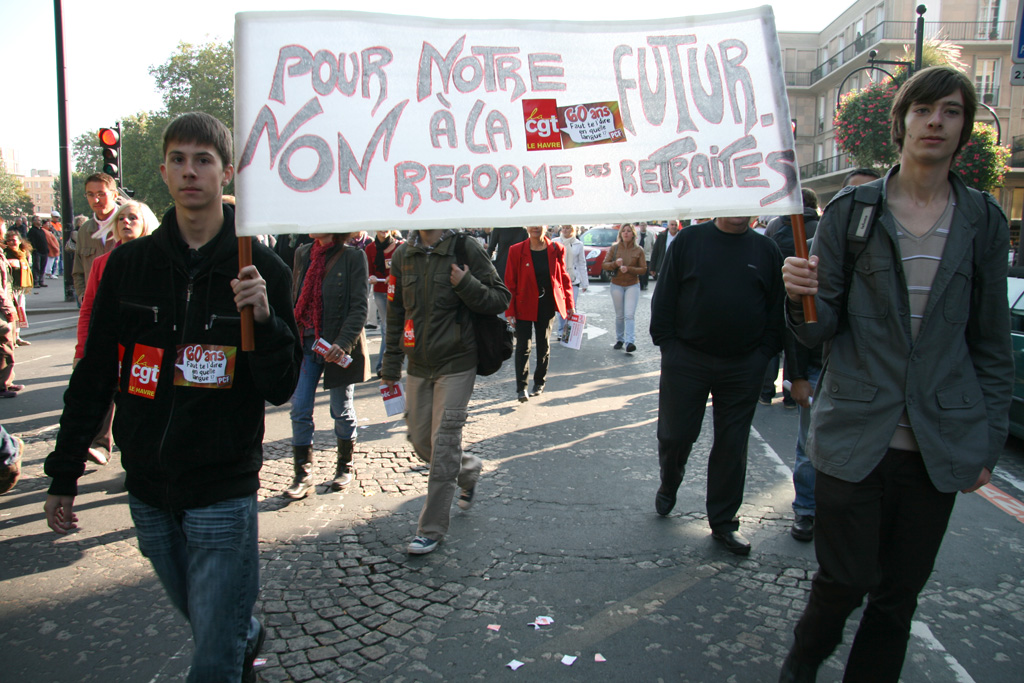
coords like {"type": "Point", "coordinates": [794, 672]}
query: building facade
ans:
{"type": "Point", "coordinates": [39, 187]}
{"type": "Point", "coordinates": [820, 67]}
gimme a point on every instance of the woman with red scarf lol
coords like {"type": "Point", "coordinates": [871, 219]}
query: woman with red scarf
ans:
{"type": "Point", "coordinates": [330, 292]}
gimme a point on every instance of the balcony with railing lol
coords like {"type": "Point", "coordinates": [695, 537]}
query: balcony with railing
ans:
{"type": "Point", "coordinates": [956, 32]}
{"type": "Point", "coordinates": [833, 164]}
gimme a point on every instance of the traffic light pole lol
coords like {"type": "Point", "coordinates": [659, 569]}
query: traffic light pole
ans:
{"type": "Point", "coordinates": [67, 206]}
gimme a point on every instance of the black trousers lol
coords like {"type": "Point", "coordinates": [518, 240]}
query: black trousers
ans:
{"type": "Point", "coordinates": [877, 537]}
{"type": "Point", "coordinates": [524, 332]}
{"type": "Point", "coordinates": [687, 377]}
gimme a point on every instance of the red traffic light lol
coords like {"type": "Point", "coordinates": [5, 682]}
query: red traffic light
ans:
{"type": "Point", "coordinates": [108, 137]}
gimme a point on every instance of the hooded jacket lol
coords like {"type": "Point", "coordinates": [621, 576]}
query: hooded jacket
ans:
{"type": "Point", "coordinates": [165, 342]}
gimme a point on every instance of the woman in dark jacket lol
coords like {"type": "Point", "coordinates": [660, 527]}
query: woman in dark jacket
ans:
{"type": "Point", "coordinates": [535, 274]}
{"type": "Point", "coordinates": [330, 292]}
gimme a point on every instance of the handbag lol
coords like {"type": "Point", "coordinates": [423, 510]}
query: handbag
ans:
{"type": "Point", "coordinates": [493, 335]}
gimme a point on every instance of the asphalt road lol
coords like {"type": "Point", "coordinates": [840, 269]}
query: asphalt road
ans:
{"type": "Point", "coordinates": [563, 527]}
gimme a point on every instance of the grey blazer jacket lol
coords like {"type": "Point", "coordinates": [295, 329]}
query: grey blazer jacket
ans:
{"type": "Point", "coordinates": [955, 380]}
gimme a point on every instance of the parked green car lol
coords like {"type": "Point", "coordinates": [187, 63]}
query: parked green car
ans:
{"type": "Point", "coordinates": [1015, 292]}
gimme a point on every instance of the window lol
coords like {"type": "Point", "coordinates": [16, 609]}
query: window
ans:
{"type": "Point", "coordinates": [819, 152]}
{"type": "Point", "coordinates": [824, 61]}
{"type": "Point", "coordinates": [988, 19]}
{"type": "Point", "coordinates": [821, 113]}
{"type": "Point", "coordinates": [839, 50]}
{"type": "Point", "coordinates": [1017, 205]}
{"type": "Point", "coordinates": [986, 80]}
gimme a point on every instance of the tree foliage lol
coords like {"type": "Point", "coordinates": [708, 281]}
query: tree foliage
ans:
{"type": "Point", "coordinates": [194, 78]}
{"type": "Point", "coordinates": [981, 163]}
{"type": "Point", "coordinates": [14, 201]}
{"type": "Point", "coordinates": [862, 125]}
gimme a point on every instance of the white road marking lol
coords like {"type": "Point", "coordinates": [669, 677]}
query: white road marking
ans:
{"type": "Point", "coordinates": [921, 630]}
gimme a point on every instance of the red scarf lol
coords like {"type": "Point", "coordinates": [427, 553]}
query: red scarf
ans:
{"type": "Point", "coordinates": [309, 309]}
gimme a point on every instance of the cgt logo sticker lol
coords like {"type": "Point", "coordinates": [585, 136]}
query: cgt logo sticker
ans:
{"type": "Point", "coordinates": [540, 118]}
{"type": "Point", "coordinates": [145, 370]}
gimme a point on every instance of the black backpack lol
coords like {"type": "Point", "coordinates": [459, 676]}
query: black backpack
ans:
{"type": "Point", "coordinates": [493, 335]}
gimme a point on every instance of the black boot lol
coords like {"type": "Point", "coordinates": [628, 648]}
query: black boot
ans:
{"type": "Point", "coordinates": [343, 473]}
{"type": "Point", "coordinates": [795, 670]}
{"type": "Point", "coordinates": [303, 482]}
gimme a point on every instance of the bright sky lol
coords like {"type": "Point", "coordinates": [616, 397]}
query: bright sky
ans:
{"type": "Point", "coordinates": [109, 47]}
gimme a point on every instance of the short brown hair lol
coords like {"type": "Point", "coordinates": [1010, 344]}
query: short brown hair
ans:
{"type": "Point", "coordinates": [107, 180]}
{"type": "Point", "coordinates": [202, 129]}
{"type": "Point", "coordinates": [927, 86]}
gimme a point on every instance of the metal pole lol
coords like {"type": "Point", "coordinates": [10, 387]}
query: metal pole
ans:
{"type": "Point", "coordinates": [919, 47]}
{"type": "Point", "coordinates": [67, 206]}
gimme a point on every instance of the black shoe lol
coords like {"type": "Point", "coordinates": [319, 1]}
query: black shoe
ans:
{"type": "Point", "coordinates": [618, 346]}
{"type": "Point", "coordinates": [630, 348]}
{"type": "Point", "coordinates": [252, 651]}
{"type": "Point", "coordinates": [371, 326]}
{"type": "Point", "coordinates": [803, 528]}
{"type": "Point", "coordinates": [796, 671]}
{"type": "Point", "coordinates": [538, 389]}
{"type": "Point", "coordinates": [523, 396]}
{"type": "Point", "coordinates": [788, 403]}
{"type": "Point", "coordinates": [664, 502]}
{"type": "Point", "coordinates": [733, 541]}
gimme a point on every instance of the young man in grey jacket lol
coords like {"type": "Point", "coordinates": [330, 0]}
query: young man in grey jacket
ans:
{"type": "Point", "coordinates": [913, 402]}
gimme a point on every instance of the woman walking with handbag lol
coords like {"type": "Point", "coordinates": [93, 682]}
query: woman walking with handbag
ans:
{"type": "Point", "coordinates": [329, 286]}
{"type": "Point", "coordinates": [535, 275]}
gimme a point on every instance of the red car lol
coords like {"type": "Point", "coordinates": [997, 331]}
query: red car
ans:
{"type": "Point", "coordinates": [596, 242]}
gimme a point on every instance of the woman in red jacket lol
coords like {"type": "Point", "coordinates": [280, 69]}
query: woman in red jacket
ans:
{"type": "Point", "coordinates": [535, 274]}
{"type": "Point", "coordinates": [132, 220]}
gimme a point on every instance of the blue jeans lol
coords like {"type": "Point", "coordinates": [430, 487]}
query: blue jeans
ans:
{"type": "Point", "coordinates": [208, 562]}
{"type": "Point", "coordinates": [625, 300]}
{"type": "Point", "coordinates": [343, 407]}
{"type": "Point", "coordinates": [803, 470]}
{"type": "Point", "coordinates": [381, 299]}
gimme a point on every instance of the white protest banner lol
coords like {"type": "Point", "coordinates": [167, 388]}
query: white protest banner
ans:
{"type": "Point", "coordinates": [346, 120]}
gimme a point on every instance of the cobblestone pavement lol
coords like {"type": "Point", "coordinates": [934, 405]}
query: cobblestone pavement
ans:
{"type": "Point", "coordinates": [562, 526]}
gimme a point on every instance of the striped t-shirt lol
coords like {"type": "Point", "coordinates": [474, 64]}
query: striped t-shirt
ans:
{"type": "Point", "coordinates": [921, 257]}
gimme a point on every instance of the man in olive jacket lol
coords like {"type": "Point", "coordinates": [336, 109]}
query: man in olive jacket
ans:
{"type": "Point", "coordinates": [913, 402]}
{"type": "Point", "coordinates": [429, 323]}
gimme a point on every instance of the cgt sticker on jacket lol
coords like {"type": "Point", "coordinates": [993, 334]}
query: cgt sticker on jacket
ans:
{"type": "Point", "coordinates": [145, 372]}
{"type": "Point", "coordinates": [205, 366]}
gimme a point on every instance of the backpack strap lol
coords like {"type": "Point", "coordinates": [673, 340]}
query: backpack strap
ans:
{"type": "Point", "coordinates": [867, 200]}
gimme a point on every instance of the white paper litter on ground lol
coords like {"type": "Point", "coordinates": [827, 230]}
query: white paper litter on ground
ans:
{"type": "Point", "coordinates": [541, 621]}
{"type": "Point", "coordinates": [514, 664]}
{"type": "Point", "coordinates": [494, 627]}
{"type": "Point", "coordinates": [599, 658]}
{"type": "Point", "coordinates": [568, 660]}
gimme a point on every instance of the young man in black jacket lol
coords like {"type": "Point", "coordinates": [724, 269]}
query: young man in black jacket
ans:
{"type": "Point", "coordinates": [165, 342]}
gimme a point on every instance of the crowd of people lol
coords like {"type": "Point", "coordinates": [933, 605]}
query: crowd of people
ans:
{"type": "Point", "coordinates": [908, 365]}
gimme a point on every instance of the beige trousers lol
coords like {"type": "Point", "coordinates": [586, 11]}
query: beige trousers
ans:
{"type": "Point", "coordinates": [435, 414]}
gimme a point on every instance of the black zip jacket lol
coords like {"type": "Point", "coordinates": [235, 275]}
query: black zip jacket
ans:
{"type": "Point", "coordinates": [187, 446]}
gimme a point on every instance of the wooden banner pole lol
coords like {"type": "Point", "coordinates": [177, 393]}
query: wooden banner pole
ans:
{"type": "Point", "coordinates": [800, 246]}
{"type": "Point", "coordinates": [245, 259]}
